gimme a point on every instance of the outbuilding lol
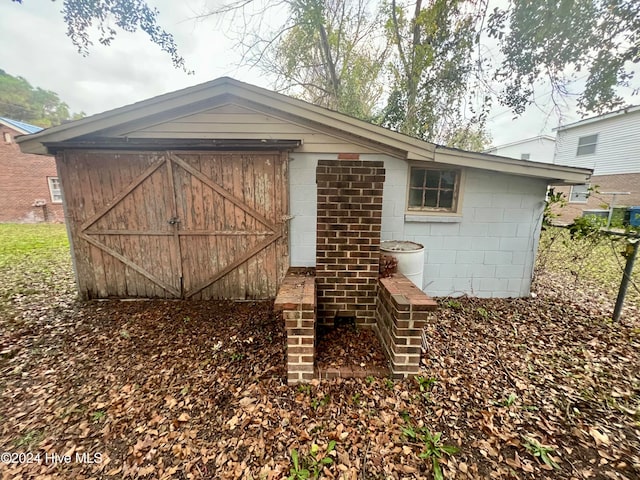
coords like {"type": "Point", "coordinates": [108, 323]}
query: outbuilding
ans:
{"type": "Point", "coordinates": [215, 191]}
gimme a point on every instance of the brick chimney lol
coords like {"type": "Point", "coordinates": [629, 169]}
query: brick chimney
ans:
{"type": "Point", "coordinates": [348, 238]}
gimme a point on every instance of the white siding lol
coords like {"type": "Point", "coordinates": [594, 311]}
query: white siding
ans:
{"type": "Point", "coordinates": [488, 252]}
{"type": "Point", "coordinates": [540, 149]}
{"type": "Point", "coordinates": [617, 151]}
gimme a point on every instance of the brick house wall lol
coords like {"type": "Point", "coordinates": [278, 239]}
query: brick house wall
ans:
{"type": "Point", "coordinates": [23, 180]}
{"type": "Point", "coordinates": [628, 182]}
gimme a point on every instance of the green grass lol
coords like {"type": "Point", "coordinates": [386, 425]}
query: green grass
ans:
{"type": "Point", "coordinates": [31, 241]}
{"type": "Point", "coordinates": [587, 263]}
{"type": "Point", "coordinates": [34, 264]}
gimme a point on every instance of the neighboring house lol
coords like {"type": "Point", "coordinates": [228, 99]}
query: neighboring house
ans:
{"type": "Point", "coordinates": [29, 187]}
{"type": "Point", "coordinates": [214, 191]}
{"type": "Point", "coordinates": [536, 149]}
{"type": "Point", "coordinates": [610, 145]}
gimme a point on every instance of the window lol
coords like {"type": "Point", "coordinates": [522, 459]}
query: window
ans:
{"type": "Point", "coordinates": [55, 190]}
{"type": "Point", "coordinates": [7, 137]}
{"type": "Point", "coordinates": [587, 145]}
{"type": "Point", "coordinates": [433, 189]}
{"type": "Point", "coordinates": [525, 156]}
{"type": "Point", "coordinates": [579, 194]}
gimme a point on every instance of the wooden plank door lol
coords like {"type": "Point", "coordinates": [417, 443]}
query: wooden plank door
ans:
{"type": "Point", "coordinates": [120, 204]}
{"type": "Point", "coordinates": [202, 225]}
{"type": "Point", "coordinates": [231, 208]}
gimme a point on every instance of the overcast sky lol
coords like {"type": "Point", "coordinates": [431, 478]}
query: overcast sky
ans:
{"type": "Point", "coordinates": [35, 46]}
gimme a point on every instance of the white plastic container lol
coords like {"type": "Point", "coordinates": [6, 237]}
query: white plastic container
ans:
{"type": "Point", "coordinates": [410, 257]}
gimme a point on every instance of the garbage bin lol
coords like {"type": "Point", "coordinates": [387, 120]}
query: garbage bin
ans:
{"type": "Point", "coordinates": [634, 216]}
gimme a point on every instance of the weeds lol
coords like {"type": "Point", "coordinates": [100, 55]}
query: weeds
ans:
{"type": "Point", "coordinates": [539, 451]}
{"type": "Point", "coordinates": [432, 447]}
{"type": "Point", "coordinates": [98, 416]}
{"type": "Point", "coordinates": [316, 403]}
{"type": "Point", "coordinates": [309, 466]}
{"type": "Point", "coordinates": [29, 440]}
{"type": "Point", "coordinates": [507, 402]}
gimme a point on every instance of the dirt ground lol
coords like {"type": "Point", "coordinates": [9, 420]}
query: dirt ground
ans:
{"type": "Point", "coordinates": [532, 388]}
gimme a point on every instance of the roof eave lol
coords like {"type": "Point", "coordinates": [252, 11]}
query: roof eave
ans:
{"type": "Point", "coordinates": [557, 174]}
{"type": "Point", "coordinates": [416, 149]}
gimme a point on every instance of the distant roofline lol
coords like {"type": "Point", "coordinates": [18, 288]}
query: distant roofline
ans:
{"type": "Point", "coordinates": [598, 118]}
{"type": "Point", "coordinates": [517, 142]}
{"type": "Point", "coordinates": [22, 127]}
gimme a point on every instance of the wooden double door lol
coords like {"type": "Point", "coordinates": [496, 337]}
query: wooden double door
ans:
{"type": "Point", "coordinates": [201, 225]}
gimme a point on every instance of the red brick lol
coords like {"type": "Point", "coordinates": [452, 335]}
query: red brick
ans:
{"type": "Point", "coordinates": [24, 179]}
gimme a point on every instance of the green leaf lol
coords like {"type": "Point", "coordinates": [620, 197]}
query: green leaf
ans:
{"type": "Point", "coordinates": [449, 449]}
{"type": "Point", "coordinates": [437, 471]}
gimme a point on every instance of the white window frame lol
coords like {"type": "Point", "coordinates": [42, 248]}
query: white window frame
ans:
{"type": "Point", "coordinates": [580, 194]}
{"type": "Point", "coordinates": [587, 145]}
{"type": "Point", "coordinates": [7, 137]}
{"type": "Point", "coordinates": [55, 191]}
{"type": "Point", "coordinates": [438, 211]}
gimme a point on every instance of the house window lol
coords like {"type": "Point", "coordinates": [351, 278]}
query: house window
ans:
{"type": "Point", "coordinates": [7, 137]}
{"type": "Point", "coordinates": [55, 190]}
{"type": "Point", "coordinates": [587, 145]}
{"type": "Point", "coordinates": [579, 194]}
{"type": "Point", "coordinates": [433, 189]}
{"type": "Point", "coordinates": [525, 156]}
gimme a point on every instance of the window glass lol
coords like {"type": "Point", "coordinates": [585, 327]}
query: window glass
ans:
{"type": "Point", "coordinates": [417, 177]}
{"type": "Point", "coordinates": [415, 198]}
{"type": "Point", "coordinates": [55, 190]}
{"type": "Point", "coordinates": [579, 194]}
{"type": "Point", "coordinates": [433, 189]}
{"type": "Point", "coordinates": [587, 144]}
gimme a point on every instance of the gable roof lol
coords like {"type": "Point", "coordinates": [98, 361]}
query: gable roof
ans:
{"type": "Point", "coordinates": [599, 118]}
{"type": "Point", "coordinates": [200, 97]}
{"type": "Point", "coordinates": [21, 127]}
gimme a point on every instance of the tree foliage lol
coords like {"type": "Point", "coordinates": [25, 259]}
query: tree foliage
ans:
{"type": "Point", "coordinates": [20, 101]}
{"type": "Point", "coordinates": [322, 53]}
{"type": "Point", "coordinates": [82, 16]}
{"type": "Point", "coordinates": [563, 41]}
{"type": "Point", "coordinates": [432, 69]}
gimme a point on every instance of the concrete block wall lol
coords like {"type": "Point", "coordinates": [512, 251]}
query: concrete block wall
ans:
{"type": "Point", "coordinates": [23, 179]}
{"type": "Point", "coordinates": [349, 194]}
{"type": "Point", "coordinates": [487, 251]}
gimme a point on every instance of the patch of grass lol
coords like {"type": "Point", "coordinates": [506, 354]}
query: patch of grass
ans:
{"type": "Point", "coordinates": [587, 261]}
{"type": "Point", "coordinates": [34, 260]}
{"type": "Point", "coordinates": [43, 241]}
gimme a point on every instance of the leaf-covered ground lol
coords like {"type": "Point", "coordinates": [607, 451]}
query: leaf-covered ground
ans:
{"type": "Point", "coordinates": [197, 390]}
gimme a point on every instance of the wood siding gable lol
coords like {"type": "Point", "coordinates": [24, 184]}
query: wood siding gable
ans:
{"type": "Point", "coordinates": [239, 119]}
